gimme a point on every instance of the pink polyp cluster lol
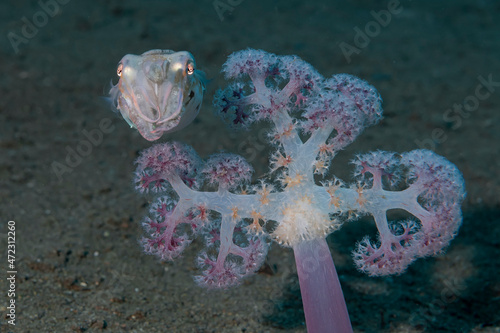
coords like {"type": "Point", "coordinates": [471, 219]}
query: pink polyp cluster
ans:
{"type": "Point", "coordinates": [167, 238]}
{"type": "Point", "coordinates": [267, 84]}
{"type": "Point", "coordinates": [241, 262]}
{"type": "Point", "coordinates": [348, 104]}
{"type": "Point", "coordinates": [251, 62]}
{"type": "Point", "coordinates": [312, 119]}
{"type": "Point", "coordinates": [227, 171]}
{"type": "Point", "coordinates": [433, 193]}
{"type": "Point", "coordinates": [159, 162]}
{"type": "Point", "coordinates": [181, 212]}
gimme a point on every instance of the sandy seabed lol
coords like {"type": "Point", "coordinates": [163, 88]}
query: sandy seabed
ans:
{"type": "Point", "coordinates": [78, 262]}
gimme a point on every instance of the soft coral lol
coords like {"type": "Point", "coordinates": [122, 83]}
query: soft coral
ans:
{"type": "Point", "coordinates": [330, 114]}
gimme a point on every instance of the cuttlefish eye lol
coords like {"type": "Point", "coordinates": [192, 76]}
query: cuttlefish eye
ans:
{"type": "Point", "coordinates": [190, 69]}
{"type": "Point", "coordinates": [119, 70]}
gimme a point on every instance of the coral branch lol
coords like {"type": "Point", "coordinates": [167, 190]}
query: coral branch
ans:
{"type": "Point", "coordinates": [434, 194]}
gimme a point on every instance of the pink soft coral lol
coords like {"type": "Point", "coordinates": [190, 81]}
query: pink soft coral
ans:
{"type": "Point", "coordinates": [313, 118]}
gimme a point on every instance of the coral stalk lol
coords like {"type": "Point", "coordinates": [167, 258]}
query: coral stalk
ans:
{"type": "Point", "coordinates": [322, 297]}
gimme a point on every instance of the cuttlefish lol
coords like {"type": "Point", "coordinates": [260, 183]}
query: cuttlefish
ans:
{"type": "Point", "coordinates": [158, 92]}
